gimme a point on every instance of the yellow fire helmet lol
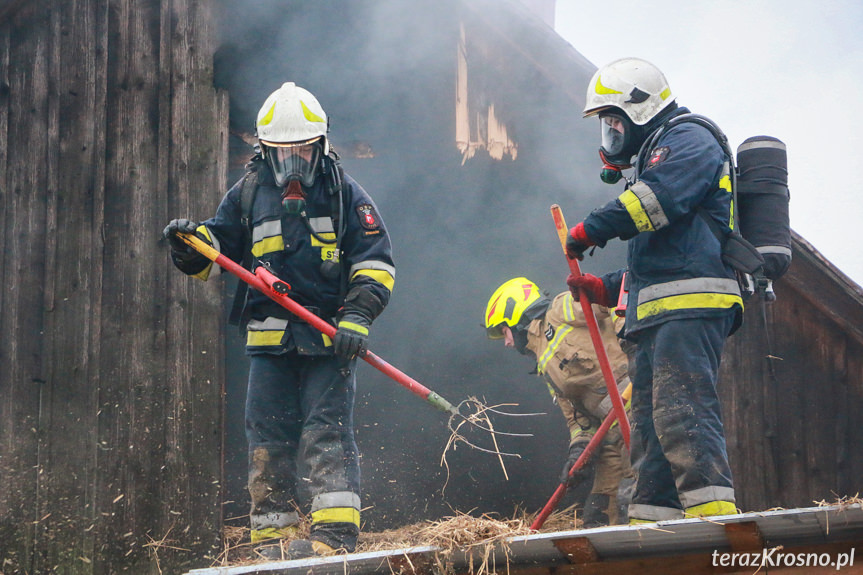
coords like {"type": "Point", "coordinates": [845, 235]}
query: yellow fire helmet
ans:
{"type": "Point", "coordinates": [508, 305]}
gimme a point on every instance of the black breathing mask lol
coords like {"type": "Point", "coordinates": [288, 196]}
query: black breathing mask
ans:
{"type": "Point", "coordinates": [621, 139]}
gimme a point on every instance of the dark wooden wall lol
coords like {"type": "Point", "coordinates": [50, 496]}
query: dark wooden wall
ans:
{"type": "Point", "coordinates": [793, 391]}
{"type": "Point", "coordinates": [110, 388]}
{"type": "Point", "coordinates": [111, 416]}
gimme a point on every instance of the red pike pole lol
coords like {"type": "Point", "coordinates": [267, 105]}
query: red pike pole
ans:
{"type": "Point", "coordinates": [277, 290]}
{"type": "Point", "coordinates": [580, 462]}
{"type": "Point", "coordinates": [595, 336]}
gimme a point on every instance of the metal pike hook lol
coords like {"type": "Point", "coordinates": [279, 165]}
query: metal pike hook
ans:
{"type": "Point", "coordinates": [480, 420]}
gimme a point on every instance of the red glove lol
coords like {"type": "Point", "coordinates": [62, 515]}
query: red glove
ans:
{"type": "Point", "coordinates": [592, 286]}
{"type": "Point", "coordinates": [577, 242]}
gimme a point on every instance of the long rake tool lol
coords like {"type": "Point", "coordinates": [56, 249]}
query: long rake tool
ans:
{"type": "Point", "coordinates": [593, 327]}
{"type": "Point", "coordinates": [279, 291]}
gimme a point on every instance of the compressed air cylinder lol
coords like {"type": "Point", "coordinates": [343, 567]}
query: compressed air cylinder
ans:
{"type": "Point", "coordinates": [762, 201]}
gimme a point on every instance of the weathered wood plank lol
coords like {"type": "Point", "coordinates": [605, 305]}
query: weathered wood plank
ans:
{"type": "Point", "coordinates": [196, 165]}
{"type": "Point", "coordinates": [73, 285]}
{"type": "Point", "coordinates": [134, 393]}
{"type": "Point", "coordinates": [21, 379]}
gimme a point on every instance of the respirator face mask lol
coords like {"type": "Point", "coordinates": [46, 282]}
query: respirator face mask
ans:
{"type": "Point", "coordinates": [294, 161]}
{"type": "Point", "coordinates": [617, 137]}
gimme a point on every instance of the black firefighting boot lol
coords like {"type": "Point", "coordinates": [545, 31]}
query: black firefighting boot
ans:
{"type": "Point", "coordinates": [599, 510]}
{"type": "Point", "coordinates": [270, 540]}
{"type": "Point", "coordinates": [304, 548]}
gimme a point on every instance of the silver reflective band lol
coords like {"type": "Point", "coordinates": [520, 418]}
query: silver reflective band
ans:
{"type": "Point", "coordinates": [373, 265]}
{"type": "Point", "coordinates": [761, 144]}
{"type": "Point", "coordinates": [774, 250]}
{"type": "Point", "coordinates": [321, 225]}
{"type": "Point", "coordinates": [651, 204]}
{"type": "Point", "coordinates": [654, 512]}
{"type": "Point", "coordinates": [690, 286]}
{"type": "Point", "coordinates": [706, 495]}
{"type": "Point", "coordinates": [269, 324]}
{"type": "Point", "coordinates": [336, 499]}
{"type": "Point", "coordinates": [266, 230]}
{"type": "Point", "coordinates": [275, 520]}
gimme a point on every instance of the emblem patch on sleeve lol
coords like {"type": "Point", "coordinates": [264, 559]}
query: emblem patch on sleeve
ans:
{"type": "Point", "coordinates": [368, 217]}
{"type": "Point", "coordinates": [657, 157]}
{"type": "Point", "coordinates": [549, 333]}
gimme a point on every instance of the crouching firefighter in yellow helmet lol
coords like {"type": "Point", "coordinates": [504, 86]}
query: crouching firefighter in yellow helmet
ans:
{"type": "Point", "coordinates": [554, 332]}
{"type": "Point", "coordinates": [297, 213]}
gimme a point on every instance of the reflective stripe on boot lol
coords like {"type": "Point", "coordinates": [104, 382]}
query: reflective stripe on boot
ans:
{"type": "Point", "coordinates": [711, 508]}
{"type": "Point", "coordinates": [267, 533]}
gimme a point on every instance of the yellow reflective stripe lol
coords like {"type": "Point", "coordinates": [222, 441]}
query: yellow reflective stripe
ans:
{"type": "Point", "coordinates": [711, 508]}
{"type": "Point", "coordinates": [268, 337]}
{"type": "Point", "coordinates": [725, 184]}
{"type": "Point", "coordinates": [552, 347]}
{"type": "Point", "coordinates": [600, 89]}
{"type": "Point", "coordinates": [665, 93]}
{"type": "Point", "coordinates": [354, 327]}
{"type": "Point", "coordinates": [381, 276]}
{"type": "Point", "coordinates": [626, 396]}
{"type": "Point", "coordinates": [568, 303]}
{"type": "Point", "coordinates": [309, 115]}
{"type": "Point", "coordinates": [688, 301]}
{"type": "Point", "coordinates": [636, 211]}
{"type": "Point", "coordinates": [326, 236]}
{"type": "Point", "coordinates": [204, 274]}
{"type": "Point", "coordinates": [336, 515]}
{"type": "Point", "coordinates": [551, 389]}
{"type": "Point", "coordinates": [327, 341]}
{"type": "Point", "coordinates": [268, 117]}
{"type": "Point", "coordinates": [268, 245]}
{"type": "Point", "coordinates": [273, 533]}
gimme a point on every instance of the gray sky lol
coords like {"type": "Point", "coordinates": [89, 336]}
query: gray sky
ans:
{"type": "Point", "coordinates": [784, 68]}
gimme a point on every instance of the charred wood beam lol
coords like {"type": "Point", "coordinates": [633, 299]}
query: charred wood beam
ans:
{"type": "Point", "coordinates": [825, 287]}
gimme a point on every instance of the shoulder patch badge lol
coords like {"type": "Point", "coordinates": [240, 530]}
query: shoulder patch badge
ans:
{"type": "Point", "coordinates": [658, 156]}
{"type": "Point", "coordinates": [368, 216]}
{"type": "Point", "coordinates": [549, 333]}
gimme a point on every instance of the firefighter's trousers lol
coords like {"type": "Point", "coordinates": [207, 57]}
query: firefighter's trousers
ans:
{"type": "Point", "coordinates": [683, 460]}
{"type": "Point", "coordinates": [299, 423]}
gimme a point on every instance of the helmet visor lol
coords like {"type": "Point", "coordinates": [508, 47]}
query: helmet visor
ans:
{"type": "Point", "coordinates": [297, 161]}
{"type": "Point", "coordinates": [613, 130]}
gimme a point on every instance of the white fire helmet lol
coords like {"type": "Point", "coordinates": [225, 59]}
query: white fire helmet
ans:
{"type": "Point", "coordinates": [292, 129]}
{"type": "Point", "coordinates": [635, 86]}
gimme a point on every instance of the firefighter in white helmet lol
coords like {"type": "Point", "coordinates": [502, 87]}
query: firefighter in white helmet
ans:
{"type": "Point", "coordinates": [298, 213]}
{"type": "Point", "coordinates": [555, 334]}
{"type": "Point", "coordinates": [677, 214]}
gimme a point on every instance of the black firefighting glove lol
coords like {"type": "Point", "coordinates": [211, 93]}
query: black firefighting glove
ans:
{"type": "Point", "coordinates": [178, 246]}
{"type": "Point", "coordinates": [351, 336]}
{"type": "Point", "coordinates": [360, 309]}
{"type": "Point", "coordinates": [184, 256]}
{"type": "Point", "coordinates": [579, 475]}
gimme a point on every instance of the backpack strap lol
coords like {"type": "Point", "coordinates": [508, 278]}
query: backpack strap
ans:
{"type": "Point", "coordinates": [737, 252]}
{"type": "Point", "coordinates": [248, 191]}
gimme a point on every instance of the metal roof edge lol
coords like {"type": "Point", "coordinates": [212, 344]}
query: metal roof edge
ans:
{"type": "Point", "coordinates": [745, 532]}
